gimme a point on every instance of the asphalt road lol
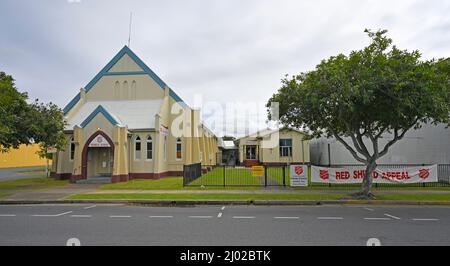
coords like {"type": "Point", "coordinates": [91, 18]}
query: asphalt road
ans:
{"type": "Point", "coordinates": [224, 225]}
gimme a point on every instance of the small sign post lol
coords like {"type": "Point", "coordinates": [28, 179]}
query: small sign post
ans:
{"type": "Point", "coordinates": [50, 150]}
{"type": "Point", "coordinates": [299, 177]}
{"type": "Point", "coordinates": [257, 171]}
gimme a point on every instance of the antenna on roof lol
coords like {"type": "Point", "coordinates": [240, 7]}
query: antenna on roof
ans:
{"type": "Point", "coordinates": [129, 32]}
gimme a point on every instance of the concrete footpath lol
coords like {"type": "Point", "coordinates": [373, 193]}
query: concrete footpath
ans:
{"type": "Point", "coordinates": [59, 194]}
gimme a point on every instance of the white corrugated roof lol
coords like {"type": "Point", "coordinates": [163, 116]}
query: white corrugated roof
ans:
{"type": "Point", "coordinates": [138, 114]}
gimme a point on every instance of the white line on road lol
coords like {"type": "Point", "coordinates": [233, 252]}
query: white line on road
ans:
{"type": "Point", "coordinates": [119, 216]}
{"type": "Point", "coordinates": [81, 216]}
{"type": "Point", "coordinates": [223, 208]}
{"type": "Point", "coordinates": [416, 219]}
{"type": "Point", "coordinates": [330, 218]}
{"type": "Point", "coordinates": [90, 207]}
{"type": "Point", "coordinates": [369, 209]}
{"type": "Point", "coordinates": [201, 217]}
{"type": "Point", "coordinates": [392, 216]}
{"type": "Point", "coordinates": [378, 219]}
{"type": "Point", "coordinates": [51, 215]}
{"type": "Point", "coordinates": [243, 217]}
{"type": "Point", "coordinates": [161, 216]}
{"type": "Point", "coordinates": [7, 215]}
{"type": "Point", "coordinates": [219, 215]}
{"type": "Point", "coordinates": [286, 217]}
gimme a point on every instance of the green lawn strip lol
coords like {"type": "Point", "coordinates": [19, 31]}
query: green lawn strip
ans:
{"type": "Point", "coordinates": [2, 194]}
{"type": "Point", "coordinates": [140, 196]}
{"type": "Point", "coordinates": [419, 197]}
{"type": "Point", "coordinates": [176, 183]}
{"type": "Point", "coordinates": [143, 196]}
{"type": "Point", "coordinates": [32, 183]}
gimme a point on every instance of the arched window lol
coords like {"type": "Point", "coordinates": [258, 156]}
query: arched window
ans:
{"type": "Point", "coordinates": [125, 90]}
{"type": "Point", "coordinates": [149, 148]}
{"type": "Point", "coordinates": [137, 148]}
{"type": "Point", "coordinates": [133, 90]}
{"type": "Point", "coordinates": [72, 149]}
{"type": "Point", "coordinates": [178, 149]}
{"type": "Point", "coordinates": [117, 90]}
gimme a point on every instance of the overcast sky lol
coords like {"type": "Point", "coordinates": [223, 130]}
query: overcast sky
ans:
{"type": "Point", "coordinates": [227, 51]}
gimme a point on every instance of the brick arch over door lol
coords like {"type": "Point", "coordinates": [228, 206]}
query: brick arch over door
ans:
{"type": "Point", "coordinates": [84, 156]}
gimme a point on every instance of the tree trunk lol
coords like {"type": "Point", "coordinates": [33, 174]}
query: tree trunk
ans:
{"type": "Point", "coordinates": [368, 180]}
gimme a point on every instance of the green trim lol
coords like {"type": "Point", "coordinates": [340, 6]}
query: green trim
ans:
{"type": "Point", "coordinates": [103, 111]}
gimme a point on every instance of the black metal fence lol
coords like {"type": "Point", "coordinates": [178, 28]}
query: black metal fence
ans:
{"type": "Point", "coordinates": [279, 176]}
{"type": "Point", "coordinates": [191, 173]}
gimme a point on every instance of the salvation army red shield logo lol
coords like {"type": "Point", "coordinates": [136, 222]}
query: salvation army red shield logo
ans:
{"type": "Point", "coordinates": [324, 174]}
{"type": "Point", "coordinates": [424, 173]}
{"type": "Point", "coordinates": [298, 170]}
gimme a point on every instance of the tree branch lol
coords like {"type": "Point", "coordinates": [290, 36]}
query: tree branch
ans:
{"type": "Point", "coordinates": [350, 149]}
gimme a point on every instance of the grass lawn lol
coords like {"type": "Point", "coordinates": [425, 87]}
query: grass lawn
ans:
{"type": "Point", "coordinates": [2, 194]}
{"type": "Point", "coordinates": [415, 197]}
{"type": "Point", "coordinates": [139, 196]}
{"type": "Point", "coordinates": [168, 183]}
{"type": "Point", "coordinates": [32, 183]}
{"type": "Point", "coordinates": [233, 177]}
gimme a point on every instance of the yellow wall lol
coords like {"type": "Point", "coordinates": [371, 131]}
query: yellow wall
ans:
{"type": "Point", "coordinates": [22, 157]}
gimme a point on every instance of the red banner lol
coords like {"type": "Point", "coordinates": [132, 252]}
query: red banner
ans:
{"type": "Point", "coordinates": [352, 175]}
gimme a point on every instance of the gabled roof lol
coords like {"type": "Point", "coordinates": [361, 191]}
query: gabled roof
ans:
{"type": "Point", "coordinates": [137, 114]}
{"type": "Point", "coordinates": [100, 110]}
{"type": "Point", "coordinates": [269, 131]}
{"type": "Point", "coordinates": [105, 72]}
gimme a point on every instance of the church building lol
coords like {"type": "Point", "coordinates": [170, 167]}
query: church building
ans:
{"type": "Point", "coordinates": [126, 123]}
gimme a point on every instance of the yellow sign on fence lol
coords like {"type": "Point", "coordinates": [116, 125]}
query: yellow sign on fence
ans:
{"type": "Point", "coordinates": [257, 171]}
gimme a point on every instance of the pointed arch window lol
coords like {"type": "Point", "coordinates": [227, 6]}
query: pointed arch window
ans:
{"type": "Point", "coordinates": [137, 148]}
{"type": "Point", "coordinates": [72, 149]}
{"type": "Point", "coordinates": [117, 90]}
{"type": "Point", "coordinates": [178, 149]}
{"type": "Point", "coordinates": [125, 91]}
{"type": "Point", "coordinates": [133, 90]}
{"type": "Point", "coordinates": [149, 145]}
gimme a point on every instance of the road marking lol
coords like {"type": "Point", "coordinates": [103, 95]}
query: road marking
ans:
{"type": "Point", "coordinates": [378, 219]}
{"type": "Point", "coordinates": [201, 217]}
{"type": "Point", "coordinates": [286, 217]}
{"type": "Point", "coordinates": [50, 215]}
{"type": "Point", "coordinates": [90, 207]}
{"type": "Point", "coordinates": [219, 215]}
{"type": "Point", "coordinates": [243, 217]}
{"type": "Point", "coordinates": [161, 216]}
{"type": "Point", "coordinates": [7, 215]}
{"type": "Point", "coordinates": [416, 219]}
{"type": "Point", "coordinates": [81, 216]}
{"type": "Point", "coordinates": [330, 218]}
{"type": "Point", "coordinates": [119, 216]}
{"type": "Point", "coordinates": [369, 209]}
{"type": "Point", "coordinates": [223, 208]}
{"type": "Point", "coordinates": [392, 216]}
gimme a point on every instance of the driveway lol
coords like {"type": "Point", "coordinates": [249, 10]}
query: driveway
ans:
{"type": "Point", "coordinates": [18, 173]}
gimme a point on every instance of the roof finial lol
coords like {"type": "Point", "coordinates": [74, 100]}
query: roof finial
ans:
{"type": "Point", "coordinates": [129, 32]}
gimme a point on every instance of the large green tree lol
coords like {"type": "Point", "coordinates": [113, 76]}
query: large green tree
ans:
{"type": "Point", "coordinates": [377, 92]}
{"type": "Point", "coordinates": [24, 123]}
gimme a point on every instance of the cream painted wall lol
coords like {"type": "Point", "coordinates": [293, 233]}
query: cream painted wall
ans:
{"type": "Point", "coordinates": [142, 165]}
{"type": "Point", "coordinates": [125, 64]}
{"type": "Point", "coordinates": [267, 155]}
{"type": "Point", "coordinates": [105, 89]}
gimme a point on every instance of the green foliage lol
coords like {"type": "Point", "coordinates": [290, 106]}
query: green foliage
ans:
{"type": "Point", "coordinates": [379, 89]}
{"type": "Point", "coordinates": [23, 123]}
